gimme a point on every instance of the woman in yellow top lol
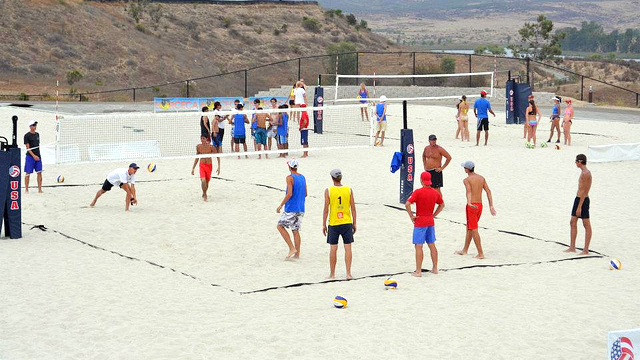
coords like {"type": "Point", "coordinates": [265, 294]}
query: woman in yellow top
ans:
{"type": "Point", "coordinates": [340, 207]}
{"type": "Point", "coordinates": [463, 118]}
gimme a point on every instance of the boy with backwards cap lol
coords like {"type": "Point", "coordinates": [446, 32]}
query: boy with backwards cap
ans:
{"type": "Point", "coordinates": [340, 207]}
{"type": "Point", "coordinates": [474, 185]}
{"type": "Point", "coordinates": [424, 230]}
{"type": "Point", "coordinates": [125, 178]}
{"type": "Point", "coordinates": [293, 202]}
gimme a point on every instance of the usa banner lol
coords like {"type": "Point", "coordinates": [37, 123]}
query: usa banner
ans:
{"type": "Point", "coordinates": [623, 344]}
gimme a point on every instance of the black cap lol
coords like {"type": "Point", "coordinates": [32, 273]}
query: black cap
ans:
{"type": "Point", "coordinates": [432, 137]}
{"type": "Point", "coordinates": [133, 165]}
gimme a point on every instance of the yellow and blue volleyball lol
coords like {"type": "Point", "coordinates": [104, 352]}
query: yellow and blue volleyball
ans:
{"type": "Point", "coordinates": [390, 284]}
{"type": "Point", "coordinates": [339, 302]}
{"type": "Point", "coordinates": [615, 264]}
{"type": "Point", "coordinates": [60, 179]}
{"type": "Point", "coordinates": [151, 167]}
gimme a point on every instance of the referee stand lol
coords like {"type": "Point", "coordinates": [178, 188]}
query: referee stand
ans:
{"type": "Point", "coordinates": [10, 185]}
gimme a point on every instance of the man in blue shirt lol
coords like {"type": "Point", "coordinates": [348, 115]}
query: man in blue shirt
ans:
{"type": "Point", "coordinates": [482, 108]}
{"type": "Point", "coordinates": [293, 203]}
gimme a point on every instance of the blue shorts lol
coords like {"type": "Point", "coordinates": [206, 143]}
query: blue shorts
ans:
{"type": "Point", "coordinates": [261, 136]}
{"type": "Point", "coordinates": [216, 141]}
{"type": "Point", "coordinates": [30, 164]}
{"type": "Point", "coordinates": [282, 139]}
{"type": "Point", "coordinates": [423, 235]}
{"type": "Point", "coordinates": [304, 137]}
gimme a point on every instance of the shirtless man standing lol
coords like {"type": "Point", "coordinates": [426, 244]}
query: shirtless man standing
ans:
{"type": "Point", "coordinates": [581, 207]}
{"type": "Point", "coordinates": [206, 167]}
{"type": "Point", "coordinates": [432, 160]}
{"type": "Point", "coordinates": [261, 132]}
{"type": "Point", "coordinates": [474, 184]}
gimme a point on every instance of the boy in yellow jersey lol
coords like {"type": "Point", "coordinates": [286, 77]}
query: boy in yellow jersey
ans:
{"type": "Point", "coordinates": [340, 207]}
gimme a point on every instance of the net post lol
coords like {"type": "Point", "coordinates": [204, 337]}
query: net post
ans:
{"type": "Point", "coordinates": [319, 79]}
{"type": "Point", "coordinates": [414, 67]}
{"type": "Point", "coordinates": [188, 88]}
{"type": "Point", "coordinates": [404, 114]}
{"type": "Point", "coordinates": [407, 170]}
{"type": "Point", "coordinates": [582, 89]}
{"type": "Point", "coordinates": [528, 64]}
{"type": "Point", "coordinates": [134, 94]}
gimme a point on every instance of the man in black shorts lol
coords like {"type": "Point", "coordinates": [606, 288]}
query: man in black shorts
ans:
{"type": "Point", "coordinates": [340, 207]}
{"type": "Point", "coordinates": [125, 178]}
{"type": "Point", "coordinates": [580, 208]}
{"type": "Point", "coordinates": [432, 161]}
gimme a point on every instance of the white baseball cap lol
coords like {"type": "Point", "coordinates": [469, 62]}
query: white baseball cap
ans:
{"type": "Point", "coordinates": [335, 173]}
{"type": "Point", "coordinates": [383, 98]}
{"type": "Point", "coordinates": [32, 122]}
{"type": "Point", "coordinates": [468, 164]}
{"type": "Point", "coordinates": [293, 163]}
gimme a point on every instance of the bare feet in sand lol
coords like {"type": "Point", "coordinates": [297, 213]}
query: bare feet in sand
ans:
{"type": "Point", "coordinates": [584, 252]}
{"type": "Point", "coordinates": [349, 277]}
{"type": "Point", "coordinates": [460, 252]}
{"type": "Point", "coordinates": [331, 277]}
{"type": "Point", "coordinates": [570, 250]}
{"type": "Point", "coordinates": [417, 273]}
{"type": "Point", "coordinates": [293, 254]}
{"type": "Point", "coordinates": [434, 270]}
{"type": "Point", "coordinates": [479, 256]}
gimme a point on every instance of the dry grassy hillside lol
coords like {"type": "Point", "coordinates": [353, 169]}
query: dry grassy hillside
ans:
{"type": "Point", "coordinates": [42, 40]}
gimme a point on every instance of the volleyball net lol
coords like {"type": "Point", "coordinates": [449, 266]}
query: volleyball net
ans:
{"type": "Point", "coordinates": [413, 87]}
{"type": "Point", "coordinates": [139, 136]}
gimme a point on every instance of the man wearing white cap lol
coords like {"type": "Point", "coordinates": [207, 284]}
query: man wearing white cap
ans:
{"type": "Point", "coordinates": [32, 160]}
{"type": "Point", "coordinates": [125, 178]}
{"type": "Point", "coordinates": [474, 185]}
{"type": "Point", "coordinates": [340, 208]}
{"type": "Point", "coordinates": [293, 202]}
{"type": "Point", "coordinates": [381, 120]}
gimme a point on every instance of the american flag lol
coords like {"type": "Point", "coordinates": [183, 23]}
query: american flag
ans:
{"type": "Point", "coordinates": [622, 349]}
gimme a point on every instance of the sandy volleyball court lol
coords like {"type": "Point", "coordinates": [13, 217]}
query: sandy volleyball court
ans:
{"type": "Point", "coordinates": [176, 277]}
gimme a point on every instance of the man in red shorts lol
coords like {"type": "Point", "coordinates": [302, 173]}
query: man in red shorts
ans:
{"type": "Point", "coordinates": [474, 184]}
{"type": "Point", "coordinates": [206, 167]}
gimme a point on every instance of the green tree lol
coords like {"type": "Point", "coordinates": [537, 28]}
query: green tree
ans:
{"type": "Point", "coordinates": [351, 19]}
{"type": "Point", "coordinates": [540, 42]}
{"type": "Point", "coordinates": [74, 76]}
{"type": "Point", "coordinates": [136, 9]}
{"type": "Point", "coordinates": [448, 65]}
{"type": "Point", "coordinates": [346, 63]}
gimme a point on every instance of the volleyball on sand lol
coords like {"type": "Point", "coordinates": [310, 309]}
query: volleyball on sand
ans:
{"type": "Point", "coordinates": [151, 167]}
{"type": "Point", "coordinates": [339, 302]}
{"type": "Point", "coordinates": [390, 284]}
{"type": "Point", "coordinates": [615, 264]}
{"type": "Point", "coordinates": [60, 179]}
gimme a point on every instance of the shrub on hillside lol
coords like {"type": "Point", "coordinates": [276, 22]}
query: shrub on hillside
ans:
{"type": "Point", "coordinates": [351, 19]}
{"type": "Point", "coordinates": [448, 65]}
{"type": "Point", "coordinates": [311, 24]}
{"type": "Point", "coordinates": [74, 76]}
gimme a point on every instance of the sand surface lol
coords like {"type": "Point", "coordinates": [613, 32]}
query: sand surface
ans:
{"type": "Point", "coordinates": [174, 278]}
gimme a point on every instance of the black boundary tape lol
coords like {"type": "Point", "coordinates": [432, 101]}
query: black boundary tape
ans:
{"type": "Point", "coordinates": [44, 228]}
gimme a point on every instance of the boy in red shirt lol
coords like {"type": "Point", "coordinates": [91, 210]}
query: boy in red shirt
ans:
{"type": "Point", "coordinates": [424, 230]}
{"type": "Point", "coordinates": [304, 131]}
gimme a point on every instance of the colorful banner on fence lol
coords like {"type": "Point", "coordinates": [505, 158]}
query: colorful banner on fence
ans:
{"type": "Point", "coordinates": [196, 104]}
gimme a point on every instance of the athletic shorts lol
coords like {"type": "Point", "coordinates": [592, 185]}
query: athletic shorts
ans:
{"type": "Point", "coordinates": [381, 126]}
{"type": "Point", "coordinates": [239, 139]}
{"type": "Point", "coordinates": [473, 216]}
{"type": "Point", "coordinates": [261, 136]}
{"type": "Point", "coordinates": [291, 221]}
{"type": "Point", "coordinates": [216, 141]}
{"type": "Point", "coordinates": [107, 185]}
{"type": "Point", "coordinates": [282, 139]}
{"type": "Point", "coordinates": [423, 235]}
{"type": "Point", "coordinates": [304, 137]}
{"type": "Point", "coordinates": [436, 178]}
{"type": "Point", "coordinates": [584, 213]}
{"type": "Point", "coordinates": [205, 171]}
{"type": "Point", "coordinates": [555, 117]}
{"type": "Point", "coordinates": [31, 164]}
{"type": "Point", "coordinates": [336, 231]}
{"type": "Point", "coordinates": [220, 135]}
{"type": "Point", "coordinates": [483, 124]}
{"type": "Point", "coordinates": [292, 102]}
{"type": "Point", "coordinates": [271, 133]}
